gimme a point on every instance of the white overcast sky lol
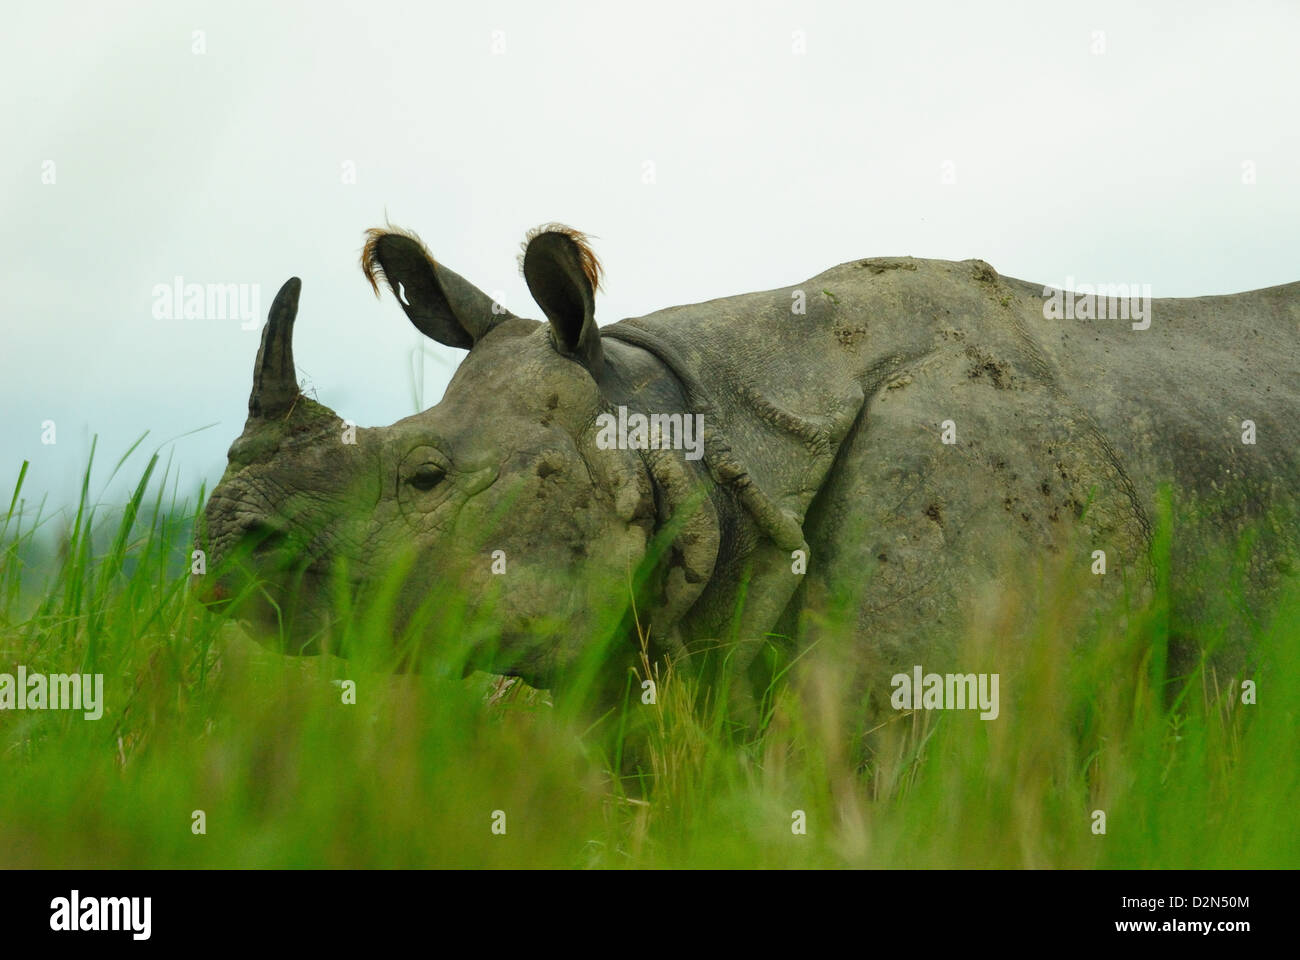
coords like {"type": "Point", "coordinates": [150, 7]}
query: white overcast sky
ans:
{"type": "Point", "coordinates": [770, 165]}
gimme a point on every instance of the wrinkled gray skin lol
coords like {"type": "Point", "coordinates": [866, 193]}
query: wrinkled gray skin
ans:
{"type": "Point", "coordinates": [822, 435]}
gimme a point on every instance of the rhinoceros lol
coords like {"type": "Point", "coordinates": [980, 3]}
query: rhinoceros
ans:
{"type": "Point", "coordinates": [896, 435]}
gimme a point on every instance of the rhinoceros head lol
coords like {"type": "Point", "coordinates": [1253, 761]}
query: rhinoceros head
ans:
{"type": "Point", "coordinates": [498, 494]}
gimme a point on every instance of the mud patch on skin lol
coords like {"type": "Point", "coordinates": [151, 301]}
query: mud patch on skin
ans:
{"type": "Point", "coordinates": [1070, 503]}
{"type": "Point", "coordinates": [984, 365]}
{"type": "Point", "coordinates": [878, 265]}
{"type": "Point", "coordinates": [849, 337]}
{"type": "Point", "coordinates": [552, 402]}
{"type": "Point", "coordinates": [549, 465]}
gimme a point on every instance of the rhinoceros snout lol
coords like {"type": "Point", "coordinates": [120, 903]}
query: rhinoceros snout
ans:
{"type": "Point", "coordinates": [261, 537]}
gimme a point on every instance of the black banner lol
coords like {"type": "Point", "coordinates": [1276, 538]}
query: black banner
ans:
{"type": "Point", "coordinates": [332, 909]}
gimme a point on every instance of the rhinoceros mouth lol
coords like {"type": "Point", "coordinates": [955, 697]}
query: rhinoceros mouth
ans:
{"type": "Point", "coordinates": [286, 607]}
{"type": "Point", "coordinates": [266, 566]}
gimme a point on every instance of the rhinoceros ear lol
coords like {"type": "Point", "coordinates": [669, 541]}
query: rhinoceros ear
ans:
{"type": "Point", "coordinates": [441, 304]}
{"type": "Point", "coordinates": [563, 276]}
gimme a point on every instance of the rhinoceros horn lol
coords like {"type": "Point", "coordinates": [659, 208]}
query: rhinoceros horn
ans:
{"type": "Point", "coordinates": [275, 382]}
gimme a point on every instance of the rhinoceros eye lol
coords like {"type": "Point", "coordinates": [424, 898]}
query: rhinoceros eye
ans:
{"type": "Point", "coordinates": [427, 476]}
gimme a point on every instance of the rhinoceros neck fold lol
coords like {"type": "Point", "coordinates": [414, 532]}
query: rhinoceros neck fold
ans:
{"type": "Point", "coordinates": [637, 380]}
{"type": "Point", "coordinates": [775, 400]}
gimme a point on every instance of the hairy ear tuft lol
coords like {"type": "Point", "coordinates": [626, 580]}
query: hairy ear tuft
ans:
{"type": "Point", "coordinates": [440, 303]}
{"type": "Point", "coordinates": [562, 274]}
{"type": "Point", "coordinates": [371, 265]}
{"type": "Point", "coordinates": [591, 267]}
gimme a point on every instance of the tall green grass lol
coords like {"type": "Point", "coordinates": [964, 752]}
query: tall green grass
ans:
{"type": "Point", "coordinates": [418, 770]}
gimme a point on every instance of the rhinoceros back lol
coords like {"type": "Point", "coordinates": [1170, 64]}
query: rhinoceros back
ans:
{"type": "Point", "coordinates": [933, 437]}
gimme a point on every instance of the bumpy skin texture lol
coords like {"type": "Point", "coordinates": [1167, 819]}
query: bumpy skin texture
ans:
{"type": "Point", "coordinates": [822, 435]}
{"type": "Point", "coordinates": [1065, 430]}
